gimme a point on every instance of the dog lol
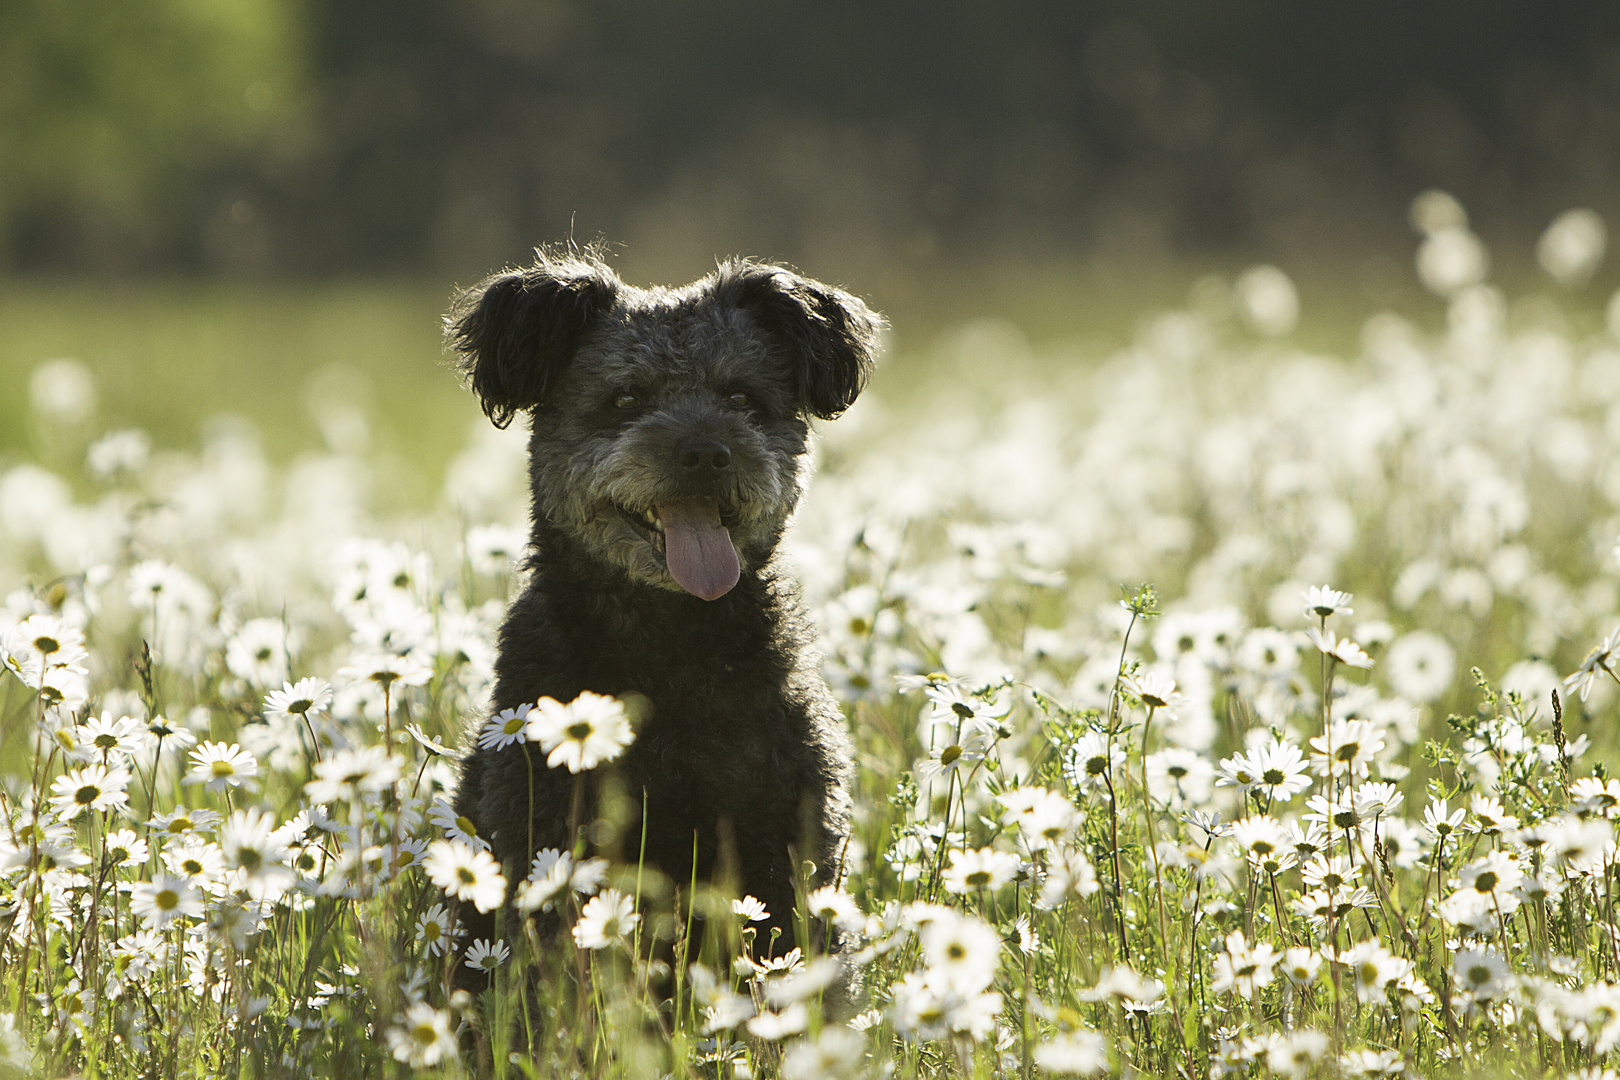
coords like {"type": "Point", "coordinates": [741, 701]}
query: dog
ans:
{"type": "Point", "coordinates": [668, 449]}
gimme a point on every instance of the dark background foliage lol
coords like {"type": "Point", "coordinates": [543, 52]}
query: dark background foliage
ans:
{"type": "Point", "coordinates": [442, 137]}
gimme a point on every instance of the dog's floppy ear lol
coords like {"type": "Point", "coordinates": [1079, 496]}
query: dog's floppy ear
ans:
{"type": "Point", "coordinates": [516, 331]}
{"type": "Point", "coordinates": [829, 334]}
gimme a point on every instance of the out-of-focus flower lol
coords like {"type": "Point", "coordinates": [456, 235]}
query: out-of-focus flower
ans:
{"type": "Point", "coordinates": [118, 453]}
{"type": "Point", "coordinates": [985, 868]}
{"type": "Point", "coordinates": [164, 899]}
{"type": "Point", "coordinates": [1073, 1053]}
{"type": "Point", "coordinates": [258, 652]}
{"type": "Point", "coordinates": [425, 1037]}
{"type": "Point", "coordinates": [1450, 260]}
{"type": "Point", "coordinates": [1043, 817]}
{"type": "Point", "coordinates": [606, 919]}
{"type": "Point", "coordinates": [1341, 649]}
{"type": "Point", "coordinates": [1243, 969]}
{"type": "Point", "coordinates": [352, 773]}
{"type": "Point", "coordinates": [927, 1007]}
{"type": "Point", "coordinates": [387, 669]}
{"type": "Point", "coordinates": [1267, 300]}
{"type": "Point", "coordinates": [1373, 968]}
{"type": "Point", "coordinates": [1348, 748]}
{"type": "Point", "coordinates": [493, 549]}
{"type": "Point", "coordinates": [63, 391]}
{"type": "Point", "coordinates": [1573, 246]}
{"type": "Point", "coordinates": [1420, 666]}
{"type": "Point", "coordinates": [1299, 965]}
{"type": "Point", "coordinates": [252, 847]}
{"type": "Point", "coordinates": [837, 1053]}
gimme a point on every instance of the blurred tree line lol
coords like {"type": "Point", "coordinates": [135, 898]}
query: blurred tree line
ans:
{"type": "Point", "coordinates": [434, 137]}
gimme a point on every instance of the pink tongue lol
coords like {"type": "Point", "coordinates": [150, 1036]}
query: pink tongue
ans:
{"type": "Point", "coordinates": [698, 548]}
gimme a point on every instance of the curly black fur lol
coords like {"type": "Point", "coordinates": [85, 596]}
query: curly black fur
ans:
{"type": "Point", "coordinates": [743, 762]}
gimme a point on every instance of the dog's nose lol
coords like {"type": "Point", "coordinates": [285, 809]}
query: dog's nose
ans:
{"type": "Point", "coordinates": [703, 455]}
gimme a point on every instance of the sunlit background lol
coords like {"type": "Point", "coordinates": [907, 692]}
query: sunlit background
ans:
{"type": "Point", "coordinates": [237, 207]}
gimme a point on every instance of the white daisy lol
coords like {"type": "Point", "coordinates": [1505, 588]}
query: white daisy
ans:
{"type": "Point", "coordinates": [456, 827]}
{"type": "Point", "coordinates": [553, 875]}
{"type": "Point", "coordinates": [1091, 760]}
{"type": "Point", "coordinates": [95, 788]}
{"type": "Point", "coordinates": [959, 754]}
{"type": "Point", "coordinates": [1043, 817]}
{"type": "Point", "coordinates": [164, 899]}
{"type": "Point", "coordinates": [927, 1007]}
{"type": "Point", "coordinates": [466, 873]}
{"type": "Point", "coordinates": [424, 1038]}
{"type": "Point", "coordinates": [181, 820]}
{"type": "Point", "coordinates": [198, 861]}
{"type": "Point", "coordinates": [125, 847]}
{"type": "Point", "coordinates": [1068, 874]}
{"type": "Point", "coordinates": [963, 950]}
{"type": "Point", "coordinates": [832, 905]}
{"type": "Point", "coordinates": [1322, 602]}
{"type": "Point", "coordinates": [751, 908]}
{"type": "Point", "coordinates": [1348, 748]}
{"type": "Point", "coordinates": [1599, 662]}
{"type": "Point", "coordinates": [217, 766]}
{"type": "Point", "coordinates": [105, 736]}
{"type": "Point", "coordinates": [248, 842]}
{"type": "Point", "coordinates": [436, 930]}
{"type": "Point", "coordinates": [257, 653]}
{"type": "Point", "coordinates": [353, 773]}
{"type": "Point", "coordinates": [1279, 769]}
{"type": "Point", "coordinates": [1078, 1053]}
{"type": "Point", "coordinates": [484, 955]}
{"type": "Point", "coordinates": [1154, 689]}
{"type": "Point", "coordinates": [591, 729]}
{"type": "Point", "coordinates": [1243, 969]}
{"type": "Point", "coordinates": [1341, 649]}
{"type": "Point", "coordinates": [605, 920]}
{"type": "Point", "coordinates": [302, 698]}
{"type": "Point", "coordinates": [505, 728]}
{"type": "Point", "coordinates": [386, 669]}
{"type": "Point", "coordinates": [1374, 968]}
{"type": "Point", "coordinates": [985, 868]}
{"type": "Point", "coordinates": [772, 1026]}
{"type": "Point", "coordinates": [835, 1052]}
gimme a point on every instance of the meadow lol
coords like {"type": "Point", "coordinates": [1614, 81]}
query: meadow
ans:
{"type": "Point", "coordinates": [1224, 705]}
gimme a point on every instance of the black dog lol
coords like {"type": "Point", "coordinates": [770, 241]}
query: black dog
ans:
{"type": "Point", "coordinates": [668, 451]}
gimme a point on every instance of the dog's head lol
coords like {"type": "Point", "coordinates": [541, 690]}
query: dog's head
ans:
{"type": "Point", "coordinates": [669, 425]}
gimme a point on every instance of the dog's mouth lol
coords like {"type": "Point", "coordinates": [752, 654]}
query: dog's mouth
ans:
{"type": "Point", "coordinates": [693, 534]}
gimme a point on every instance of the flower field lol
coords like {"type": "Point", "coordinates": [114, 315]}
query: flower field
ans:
{"type": "Point", "coordinates": [1331, 797]}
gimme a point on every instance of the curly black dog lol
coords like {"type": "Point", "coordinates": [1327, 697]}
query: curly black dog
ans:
{"type": "Point", "coordinates": [668, 451]}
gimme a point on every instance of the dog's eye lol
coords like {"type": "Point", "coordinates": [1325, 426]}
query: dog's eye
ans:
{"type": "Point", "coordinates": [738, 400]}
{"type": "Point", "coordinates": [626, 401]}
